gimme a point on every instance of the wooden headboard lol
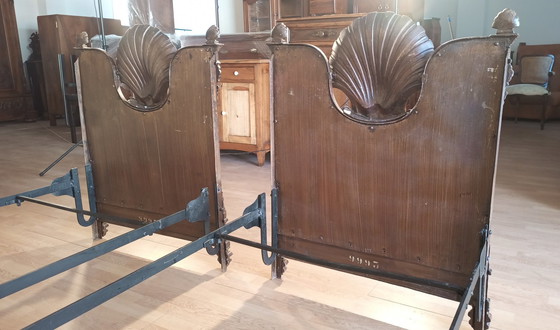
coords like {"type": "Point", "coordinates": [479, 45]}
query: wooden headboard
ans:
{"type": "Point", "coordinates": [387, 186]}
{"type": "Point", "coordinates": [148, 160]}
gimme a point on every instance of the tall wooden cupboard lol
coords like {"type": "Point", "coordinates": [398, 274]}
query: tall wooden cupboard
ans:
{"type": "Point", "coordinates": [15, 101]}
{"type": "Point", "coordinates": [244, 106]}
{"type": "Point", "coordinates": [59, 35]}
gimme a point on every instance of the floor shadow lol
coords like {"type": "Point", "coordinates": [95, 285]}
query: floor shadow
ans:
{"type": "Point", "coordinates": [63, 289]}
{"type": "Point", "coordinates": [293, 312]}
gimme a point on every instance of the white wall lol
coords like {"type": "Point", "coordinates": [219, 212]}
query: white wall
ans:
{"type": "Point", "coordinates": [199, 20]}
{"type": "Point", "coordinates": [26, 16]}
{"type": "Point", "coordinates": [472, 18]}
{"type": "Point", "coordinates": [78, 7]}
{"type": "Point", "coordinates": [28, 10]}
{"type": "Point", "coordinates": [230, 16]}
{"type": "Point", "coordinates": [443, 9]}
{"type": "Point", "coordinates": [538, 19]}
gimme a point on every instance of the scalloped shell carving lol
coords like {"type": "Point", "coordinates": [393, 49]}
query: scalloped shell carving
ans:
{"type": "Point", "coordinates": [378, 63]}
{"type": "Point", "coordinates": [143, 61]}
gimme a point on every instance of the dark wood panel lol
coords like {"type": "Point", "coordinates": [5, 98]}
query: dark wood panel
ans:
{"type": "Point", "coordinates": [413, 194]}
{"type": "Point", "coordinates": [15, 102]}
{"type": "Point", "coordinates": [148, 164]}
{"type": "Point", "coordinates": [59, 35]}
{"type": "Point", "coordinates": [320, 31]}
{"type": "Point", "coordinates": [236, 46]}
{"type": "Point", "coordinates": [322, 7]}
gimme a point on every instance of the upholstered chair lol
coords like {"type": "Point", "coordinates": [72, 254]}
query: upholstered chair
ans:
{"type": "Point", "coordinates": [533, 76]}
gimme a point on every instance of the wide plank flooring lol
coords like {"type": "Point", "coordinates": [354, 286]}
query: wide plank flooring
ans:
{"type": "Point", "coordinates": [195, 294]}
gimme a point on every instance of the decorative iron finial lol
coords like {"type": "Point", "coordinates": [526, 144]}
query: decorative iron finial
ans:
{"type": "Point", "coordinates": [212, 35]}
{"type": "Point", "coordinates": [506, 21]}
{"type": "Point", "coordinates": [280, 34]}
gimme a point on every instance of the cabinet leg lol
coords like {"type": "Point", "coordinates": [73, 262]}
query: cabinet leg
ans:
{"type": "Point", "coordinates": [52, 119]}
{"type": "Point", "coordinates": [261, 157]}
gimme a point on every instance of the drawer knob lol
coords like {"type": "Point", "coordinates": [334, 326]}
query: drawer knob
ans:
{"type": "Point", "coordinates": [236, 73]}
{"type": "Point", "coordinates": [319, 34]}
{"type": "Point", "coordinates": [224, 113]}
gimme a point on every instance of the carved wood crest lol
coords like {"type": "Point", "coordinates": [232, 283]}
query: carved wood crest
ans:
{"type": "Point", "coordinates": [378, 62]}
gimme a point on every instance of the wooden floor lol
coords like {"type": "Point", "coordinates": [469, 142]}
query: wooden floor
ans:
{"type": "Point", "coordinates": [194, 294]}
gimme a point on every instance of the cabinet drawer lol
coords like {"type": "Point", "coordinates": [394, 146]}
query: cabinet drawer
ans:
{"type": "Point", "coordinates": [238, 73]}
{"type": "Point", "coordinates": [323, 7]}
{"type": "Point", "coordinates": [311, 35]}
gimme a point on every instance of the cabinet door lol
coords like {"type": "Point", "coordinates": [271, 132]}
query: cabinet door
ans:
{"type": "Point", "coordinates": [257, 15]}
{"type": "Point", "coordinates": [324, 7]}
{"type": "Point", "coordinates": [237, 120]}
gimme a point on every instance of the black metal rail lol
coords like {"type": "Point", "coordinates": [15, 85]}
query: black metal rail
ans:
{"type": "Point", "coordinates": [197, 210]}
{"type": "Point", "coordinates": [100, 296]}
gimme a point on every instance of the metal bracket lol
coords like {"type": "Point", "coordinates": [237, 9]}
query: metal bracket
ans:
{"type": "Point", "coordinates": [259, 206]}
{"type": "Point", "coordinates": [67, 185]}
{"type": "Point", "coordinates": [198, 209]}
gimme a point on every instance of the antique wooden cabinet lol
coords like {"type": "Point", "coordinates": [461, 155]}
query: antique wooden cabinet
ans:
{"type": "Point", "coordinates": [259, 15]}
{"type": "Point", "coordinates": [15, 103]}
{"type": "Point", "coordinates": [319, 22]}
{"type": "Point", "coordinates": [59, 35]}
{"type": "Point", "coordinates": [244, 107]}
{"type": "Point", "coordinates": [412, 8]}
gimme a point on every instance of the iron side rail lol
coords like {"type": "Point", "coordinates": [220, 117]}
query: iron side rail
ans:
{"type": "Point", "coordinates": [196, 210]}
{"type": "Point", "coordinates": [60, 317]}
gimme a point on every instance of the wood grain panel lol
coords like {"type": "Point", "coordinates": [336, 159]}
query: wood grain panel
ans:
{"type": "Point", "coordinates": [15, 101]}
{"type": "Point", "coordinates": [412, 195]}
{"type": "Point", "coordinates": [236, 46]}
{"type": "Point", "coordinates": [149, 164]}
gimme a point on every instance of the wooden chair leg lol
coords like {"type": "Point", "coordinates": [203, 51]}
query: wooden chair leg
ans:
{"type": "Point", "coordinates": [543, 115]}
{"type": "Point", "coordinates": [516, 107]}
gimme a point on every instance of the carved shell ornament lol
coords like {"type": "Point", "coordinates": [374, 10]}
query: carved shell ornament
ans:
{"type": "Point", "coordinates": [143, 59]}
{"type": "Point", "coordinates": [378, 63]}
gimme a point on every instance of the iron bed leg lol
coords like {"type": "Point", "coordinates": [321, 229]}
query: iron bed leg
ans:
{"type": "Point", "coordinates": [476, 293]}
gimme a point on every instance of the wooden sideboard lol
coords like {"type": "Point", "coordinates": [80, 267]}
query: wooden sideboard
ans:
{"type": "Point", "coordinates": [320, 31]}
{"type": "Point", "coordinates": [15, 101]}
{"type": "Point", "coordinates": [244, 106]}
{"type": "Point", "coordinates": [59, 35]}
{"type": "Point", "coordinates": [262, 15]}
{"type": "Point", "coordinates": [319, 22]}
